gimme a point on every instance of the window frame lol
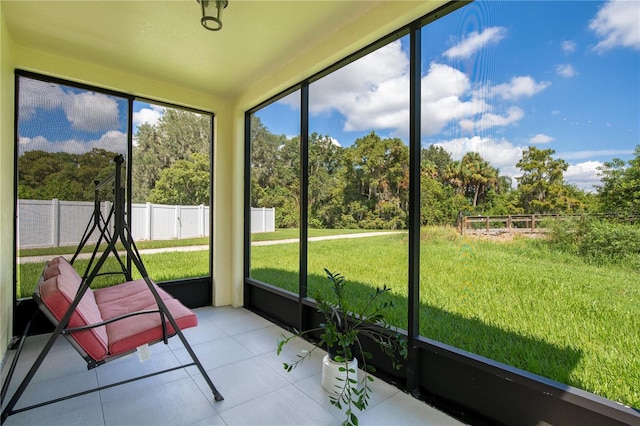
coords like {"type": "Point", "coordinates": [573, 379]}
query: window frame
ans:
{"type": "Point", "coordinates": [192, 292]}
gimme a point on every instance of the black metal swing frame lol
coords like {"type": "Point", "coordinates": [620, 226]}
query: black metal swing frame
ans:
{"type": "Point", "coordinates": [121, 233]}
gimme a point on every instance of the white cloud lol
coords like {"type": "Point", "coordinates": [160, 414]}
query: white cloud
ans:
{"type": "Point", "coordinates": [148, 115]}
{"type": "Point", "coordinates": [382, 106]}
{"type": "Point", "coordinates": [617, 23]}
{"type": "Point", "coordinates": [501, 154]}
{"type": "Point", "coordinates": [475, 41]}
{"type": "Point", "coordinates": [583, 175]}
{"type": "Point", "coordinates": [38, 94]}
{"type": "Point", "coordinates": [292, 100]}
{"type": "Point", "coordinates": [371, 93]}
{"type": "Point", "coordinates": [541, 138]}
{"type": "Point", "coordinates": [91, 112]}
{"type": "Point", "coordinates": [489, 120]}
{"type": "Point", "coordinates": [569, 46]}
{"type": "Point", "coordinates": [518, 87]}
{"type": "Point", "coordinates": [445, 92]}
{"type": "Point", "coordinates": [112, 140]}
{"type": "Point", "coordinates": [581, 155]}
{"type": "Point", "coordinates": [86, 111]}
{"type": "Point", "coordinates": [566, 70]}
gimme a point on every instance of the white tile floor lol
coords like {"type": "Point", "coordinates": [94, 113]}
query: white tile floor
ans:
{"type": "Point", "coordinates": [237, 349]}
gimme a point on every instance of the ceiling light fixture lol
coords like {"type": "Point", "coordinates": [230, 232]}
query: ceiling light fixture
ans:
{"type": "Point", "coordinates": [211, 13]}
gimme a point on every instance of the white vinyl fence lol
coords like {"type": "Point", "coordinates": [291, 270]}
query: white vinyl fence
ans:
{"type": "Point", "coordinates": [263, 219]}
{"type": "Point", "coordinates": [54, 223]}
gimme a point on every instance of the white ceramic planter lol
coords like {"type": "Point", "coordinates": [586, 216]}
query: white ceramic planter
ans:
{"type": "Point", "coordinates": [334, 380]}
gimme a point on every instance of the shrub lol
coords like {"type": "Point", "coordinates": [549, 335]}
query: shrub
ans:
{"type": "Point", "coordinates": [607, 242]}
{"type": "Point", "coordinates": [597, 241]}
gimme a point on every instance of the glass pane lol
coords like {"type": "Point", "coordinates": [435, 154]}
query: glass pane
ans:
{"type": "Point", "coordinates": [275, 193]}
{"type": "Point", "coordinates": [359, 177]}
{"type": "Point", "coordinates": [171, 190]}
{"type": "Point", "coordinates": [532, 109]}
{"type": "Point", "coordinates": [67, 138]}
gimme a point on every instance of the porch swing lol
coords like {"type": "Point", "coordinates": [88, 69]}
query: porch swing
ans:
{"type": "Point", "coordinates": [107, 323]}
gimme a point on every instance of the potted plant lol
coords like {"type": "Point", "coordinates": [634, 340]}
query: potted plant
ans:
{"type": "Point", "coordinates": [341, 335]}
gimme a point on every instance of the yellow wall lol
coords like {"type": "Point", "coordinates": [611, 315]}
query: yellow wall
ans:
{"type": "Point", "coordinates": [225, 137]}
{"type": "Point", "coordinates": [6, 187]}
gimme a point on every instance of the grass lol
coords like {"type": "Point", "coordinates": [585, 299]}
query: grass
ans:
{"type": "Point", "coordinates": [70, 250]}
{"type": "Point", "coordinates": [516, 302]}
{"type": "Point", "coordinates": [285, 234]}
{"type": "Point", "coordinates": [160, 266]}
{"type": "Point", "coordinates": [280, 234]}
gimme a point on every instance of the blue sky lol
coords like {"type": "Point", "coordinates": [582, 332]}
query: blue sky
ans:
{"type": "Point", "coordinates": [498, 77]}
{"type": "Point", "coordinates": [57, 118]}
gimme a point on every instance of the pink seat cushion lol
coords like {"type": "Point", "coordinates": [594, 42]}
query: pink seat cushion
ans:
{"type": "Point", "coordinates": [129, 333]}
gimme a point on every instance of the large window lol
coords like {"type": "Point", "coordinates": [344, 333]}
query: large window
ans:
{"type": "Point", "coordinates": [68, 136]}
{"type": "Point", "coordinates": [171, 188]}
{"type": "Point", "coordinates": [67, 139]}
{"type": "Point", "coordinates": [359, 176]}
{"type": "Point", "coordinates": [529, 121]}
{"type": "Point", "coordinates": [525, 106]}
{"type": "Point", "coordinates": [275, 193]}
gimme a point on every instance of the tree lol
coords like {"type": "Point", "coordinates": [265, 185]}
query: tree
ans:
{"type": "Point", "coordinates": [177, 135]}
{"type": "Point", "coordinates": [376, 175]}
{"type": "Point", "coordinates": [439, 204]}
{"type": "Point", "coordinates": [440, 201]}
{"type": "Point", "coordinates": [186, 182]}
{"type": "Point", "coordinates": [47, 175]}
{"type": "Point", "coordinates": [478, 177]}
{"type": "Point", "coordinates": [471, 177]}
{"type": "Point", "coordinates": [325, 183]}
{"type": "Point", "coordinates": [620, 189]}
{"type": "Point", "coordinates": [541, 184]}
{"type": "Point", "coordinates": [275, 173]}
{"type": "Point", "coordinates": [435, 160]}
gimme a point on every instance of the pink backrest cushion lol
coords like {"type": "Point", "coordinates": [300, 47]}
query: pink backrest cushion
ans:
{"type": "Point", "coordinates": [58, 292]}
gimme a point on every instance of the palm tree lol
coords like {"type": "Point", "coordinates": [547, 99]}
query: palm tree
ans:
{"type": "Point", "coordinates": [477, 175]}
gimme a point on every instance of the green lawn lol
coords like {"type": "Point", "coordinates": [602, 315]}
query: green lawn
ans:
{"type": "Point", "coordinates": [515, 302]}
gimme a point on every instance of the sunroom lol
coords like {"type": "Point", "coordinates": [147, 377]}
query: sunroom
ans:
{"type": "Point", "coordinates": [322, 128]}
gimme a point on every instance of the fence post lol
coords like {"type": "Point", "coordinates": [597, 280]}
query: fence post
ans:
{"type": "Point", "coordinates": [55, 222]}
{"type": "Point", "coordinates": [178, 230]}
{"type": "Point", "coordinates": [488, 225]}
{"type": "Point", "coordinates": [264, 219]}
{"type": "Point", "coordinates": [509, 222]}
{"type": "Point", "coordinates": [533, 222]}
{"type": "Point", "coordinates": [148, 215]}
{"type": "Point", "coordinates": [201, 221]}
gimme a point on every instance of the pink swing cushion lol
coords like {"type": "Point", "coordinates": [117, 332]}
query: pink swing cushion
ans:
{"type": "Point", "coordinates": [58, 287]}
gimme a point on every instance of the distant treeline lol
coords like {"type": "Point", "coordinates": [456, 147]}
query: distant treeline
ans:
{"type": "Point", "coordinates": [365, 185]}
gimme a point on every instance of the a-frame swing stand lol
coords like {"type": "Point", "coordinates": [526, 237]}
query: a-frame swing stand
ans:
{"type": "Point", "coordinates": [122, 234]}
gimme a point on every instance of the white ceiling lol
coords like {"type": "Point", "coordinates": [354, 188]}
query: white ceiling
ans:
{"type": "Point", "coordinates": [163, 40]}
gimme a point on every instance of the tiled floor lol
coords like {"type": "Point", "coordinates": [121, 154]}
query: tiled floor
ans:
{"type": "Point", "coordinates": [237, 349]}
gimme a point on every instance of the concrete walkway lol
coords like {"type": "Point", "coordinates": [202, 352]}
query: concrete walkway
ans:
{"type": "Point", "coordinates": [42, 259]}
